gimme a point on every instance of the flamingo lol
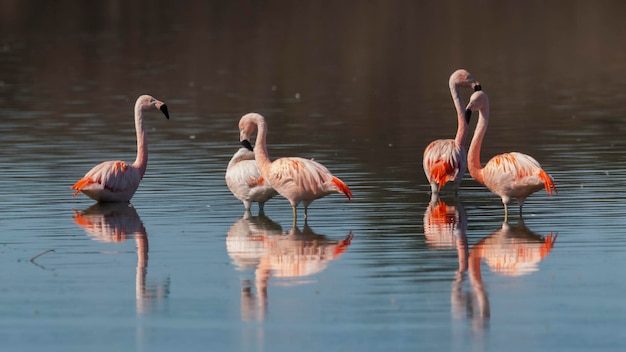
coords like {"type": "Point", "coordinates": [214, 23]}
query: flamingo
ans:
{"type": "Point", "coordinates": [508, 175]}
{"type": "Point", "coordinates": [117, 181]}
{"type": "Point", "coordinates": [245, 182]}
{"type": "Point", "coordinates": [297, 179]}
{"type": "Point", "coordinates": [445, 160]}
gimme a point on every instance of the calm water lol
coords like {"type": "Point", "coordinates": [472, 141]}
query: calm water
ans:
{"type": "Point", "coordinates": [360, 87]}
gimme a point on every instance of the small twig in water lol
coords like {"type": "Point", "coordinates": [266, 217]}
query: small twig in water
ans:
{"type": "Point", "coordinates": [32, 260]}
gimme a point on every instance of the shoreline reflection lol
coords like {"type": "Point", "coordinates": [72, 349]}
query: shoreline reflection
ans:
{"type": "Point", "coordinates": [117, 222]}
{"type": "Point", "coordinates": [259, 246]}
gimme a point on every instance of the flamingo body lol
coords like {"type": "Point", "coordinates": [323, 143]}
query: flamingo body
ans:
{"type": "Point", "coordinates": [303, 181]}
{"type": "Point", "coordinates": [297, 179]}
{"type": "Point", "coordinates": [117, 181]}
{"type": "Point", "coordinates": [508, 175]}
{"type": "Point", "coordinates": [245, 182]}
{"type": "Point", "coordinates": [445, 160]}
{"type": "Point", "coordinates": [110, 181]}
{"type": "Point", "coordinates": [516, 175]}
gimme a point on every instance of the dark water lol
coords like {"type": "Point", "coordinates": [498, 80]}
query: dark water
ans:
{"type": "Point", "coordinates": [360, 87]}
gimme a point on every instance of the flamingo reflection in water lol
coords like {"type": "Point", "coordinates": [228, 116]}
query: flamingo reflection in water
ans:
{"type": "Point", "coordinates": [259, 245]}
{"type": "Point", "coordinates": [117, 222]}
{"type": "Point", "coordinates": [445, 228]}
{"type": "Point", "coordinates": [511, 251]}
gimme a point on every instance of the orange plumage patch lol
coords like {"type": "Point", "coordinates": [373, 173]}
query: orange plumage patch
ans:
{"type": "Point", "coordinates": [343, 188]}
{"type": "Point", "coordinates": [120, 166]}
{"type": "Point", "coordinates": [548, 182]}
{"type": "Point", "coordinates": [82, 183]}
{"type": "Point", "coordinates": [441, 172]}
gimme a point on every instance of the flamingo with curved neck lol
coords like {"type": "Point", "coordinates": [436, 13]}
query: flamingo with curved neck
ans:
{"type": "Point", "coordinates": [445, 160]}
{"type": "Point", "coordinates": [245, 182]}
{"type": "Point", "coordinates": [117, 181]}
{"type": "Point", "coordinates": [297, 179]}
{"type": "Point", "coordinates": [508, 175]}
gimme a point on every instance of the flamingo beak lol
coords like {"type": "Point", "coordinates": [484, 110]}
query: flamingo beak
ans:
{"type": "Point", "coordinates": [468, 115]}
{"type": "Point", "coordinates": [163, 109]}
{"type": "Point", "coordinates": [246, 143]}
{"type": "Point", "coordinates": [476, 86]}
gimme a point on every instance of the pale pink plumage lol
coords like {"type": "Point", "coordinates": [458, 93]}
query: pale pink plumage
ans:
{"type": "Point", "coordinates": [445, 160]}
{"type": "Point", "coordinates": [245, 182]}
{"type": "Point", "coordinates": [297, 179]}
{"type": "Point", "coordinates": [509, 175]}
{"type": "Point", "coordinates": [117, 181]}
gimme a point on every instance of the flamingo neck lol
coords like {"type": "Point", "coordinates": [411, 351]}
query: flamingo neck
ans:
{"type": "Point", "coordinates": [473, 155]}
{"type": "Point", "coordinates": [461, 132]}
{"type": "Point", "coordinates": [260, 148]}
{"type": "Point", "coordinates": [141, 162]}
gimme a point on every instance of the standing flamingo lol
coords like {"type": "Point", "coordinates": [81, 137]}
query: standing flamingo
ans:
{"type": "Point", "coordinates": [509, 175]}
{"type": "Point", "coordinates": [117, 181]}
{"type": "Point", "coordinates": [245, 182]}
{"type": "Point", "coordinates": [445, 160]}
{"type": "Point", "coordinates": [297, 179]}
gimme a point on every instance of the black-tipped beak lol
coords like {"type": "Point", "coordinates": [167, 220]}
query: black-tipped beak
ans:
{"type": "Point", "coordinates": [163, 109]}
{"type": "Point", "coordinates": [477, 87]}
{"type": "Point", "coordinates": [246, 143]}
{"type": "Point", "coordinates": [468, 115]}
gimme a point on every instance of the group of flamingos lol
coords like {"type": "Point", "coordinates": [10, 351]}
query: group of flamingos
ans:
{"type": "Point", "coordinates": [508, 175]}
{"type": "Point", "coordinates": [253, 177]}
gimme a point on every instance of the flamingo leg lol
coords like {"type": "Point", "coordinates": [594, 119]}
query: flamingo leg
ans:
{"type": "Point", "coordinates": [433, 198]}
{"type": "Point", "coordinates": [506, 213]}
{"type": "Point", "coordinates": [295, 216]}
{"type": "Point", "coordinates": [434, 189]}
{"type": "Point", "coordinates": [305, 212]}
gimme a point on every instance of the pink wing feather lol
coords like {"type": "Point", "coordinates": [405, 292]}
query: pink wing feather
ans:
{"type": "Point", "coordinates": [111, 176]}
{"type": "Point", "coordinates": [518, 170]}
{"type": "Point", "coordinates": [304, 179]}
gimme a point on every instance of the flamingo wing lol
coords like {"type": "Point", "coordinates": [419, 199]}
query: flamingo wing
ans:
{"type": "Point", "coordinates": [304, 179]}
{"type": "Point", "coordinates": [444, 161]}
{"type": "Point", "coordinates": [245, 182]}
{"type": "Point", "coordinates": [109, 181]}
{"type": "Point", "coordinates": [517, 173]}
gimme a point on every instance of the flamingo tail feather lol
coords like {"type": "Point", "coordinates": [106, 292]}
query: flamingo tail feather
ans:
{"type": "Point", "coordinates": [440, 172]}
{"type": "Point", "coordinates": [82, 183]}
{"type": "Point", "coordinates": [343, 188]}
{"type": "Point", "coordinates": [548, 183]}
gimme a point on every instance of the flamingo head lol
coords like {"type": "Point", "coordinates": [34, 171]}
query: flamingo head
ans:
{"type": "Point", "coordinates": [463, 78]}
{"type": "Point", "coordinates": [479, 101]}
{"type": "Point", "coordinates": [247, 124]}
{"type": "Point", "coordinates": [147, 102]}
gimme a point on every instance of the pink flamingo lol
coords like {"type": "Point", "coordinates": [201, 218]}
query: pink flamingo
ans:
{"type": "Point", "coordinates": [117, 181]}
{"type": "Point", "coordinates": [445, 160]}
{"type": "Point", "coordinates": [245, 182]}
{"type": "Point", "coordinates": [297, 179]}
{"type": "Point", "coordinates": [509, 175]}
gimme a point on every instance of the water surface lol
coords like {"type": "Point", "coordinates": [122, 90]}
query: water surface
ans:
{"type": "Point", "coordinates": [360, 87]}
